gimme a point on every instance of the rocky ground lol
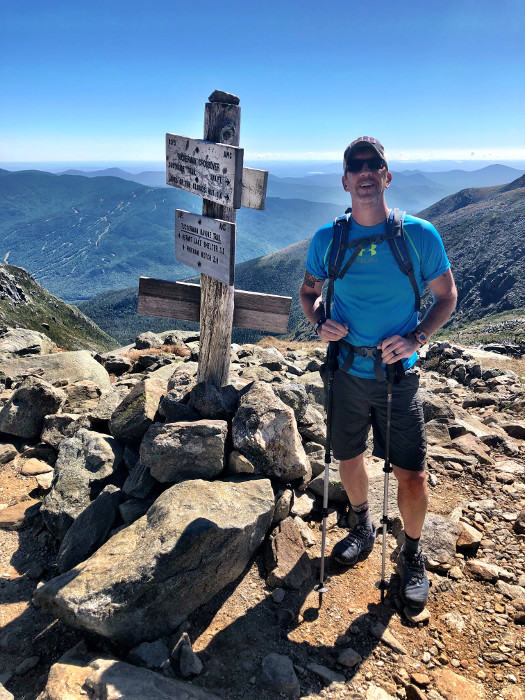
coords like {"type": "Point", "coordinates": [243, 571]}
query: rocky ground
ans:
{"type": "Point", "coordinates": [266, 636]}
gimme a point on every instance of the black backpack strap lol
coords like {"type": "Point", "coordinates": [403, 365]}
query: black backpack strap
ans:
{"type": "Point", "coordinates": [337, 252]}
{"type": "Point", "coordinates": [399, 249]}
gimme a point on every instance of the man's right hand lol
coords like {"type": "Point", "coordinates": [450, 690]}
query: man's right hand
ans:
{"type": "Point", "coordinates": [332, 330]}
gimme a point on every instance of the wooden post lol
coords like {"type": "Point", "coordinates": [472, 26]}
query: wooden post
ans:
{"type": "Point", "coordinates": [222, 121]}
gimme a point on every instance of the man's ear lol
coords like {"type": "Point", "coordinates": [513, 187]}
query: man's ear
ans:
{"type": "Point", "coordinates": [345, 187]}
{"type": "Point", "coordinates": [388, 179]}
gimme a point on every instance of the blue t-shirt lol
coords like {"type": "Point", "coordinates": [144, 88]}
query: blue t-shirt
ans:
{"type": "Point", "coordinates": [375, 298]}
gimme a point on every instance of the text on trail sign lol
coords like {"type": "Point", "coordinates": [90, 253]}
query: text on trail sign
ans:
{"type": "Point", "coordinates": [206, 245]}
{"type": "Point", "coordinates": [211, 170]}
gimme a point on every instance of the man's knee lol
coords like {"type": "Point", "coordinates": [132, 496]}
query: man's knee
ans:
{"type": "Point", "coordinates": [412, 482]}
{"type": "Point", "coordinates": [353, 465]}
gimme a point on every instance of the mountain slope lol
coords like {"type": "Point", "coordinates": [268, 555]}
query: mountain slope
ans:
{"type": "Point", "coordinates": [24, 303]}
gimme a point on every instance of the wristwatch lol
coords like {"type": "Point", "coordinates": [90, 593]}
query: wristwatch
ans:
{"type": "Point", "coordinates": [420, 336]}
{"type": "Point", "coordinates": [319, 324]}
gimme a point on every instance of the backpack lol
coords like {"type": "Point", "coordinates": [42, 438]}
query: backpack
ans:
{"type": "Point", "coordinates": [395, 236]}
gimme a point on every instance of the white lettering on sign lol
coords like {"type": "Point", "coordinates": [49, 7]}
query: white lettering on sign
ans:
{"type": "Point", "coordinates": [206, 245]}
{"type": "Point", "coordinates": [211, 170]}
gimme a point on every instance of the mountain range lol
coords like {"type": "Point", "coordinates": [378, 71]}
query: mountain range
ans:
{"type": "Point", "coordinates": [411, 189]}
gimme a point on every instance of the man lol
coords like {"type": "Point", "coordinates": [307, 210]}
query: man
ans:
{"type": "Point", "coordinates": [373, 308]}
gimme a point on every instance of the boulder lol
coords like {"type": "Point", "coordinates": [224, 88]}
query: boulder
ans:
{"type": "Point", "coordinates": [134, 415]}
{"type": "Point", "coordinates": [71, 367]}
{"type": "Point", "coordinates": [85, 461]}
{"type": "Point", "coordinates": [81, 397]}
{"type": "Point", "coordinates": [294, 395]}
{"type": "Point", "coordinates": [136, 682]}
{"type": "Point", "coordinates": [23, 415]}
{"type": "Point", "coordinates": [265, 431]}
{"type": "Point", "coordinates": [212, 402]}
{"type": "Point", "coordinates": [23, 341]}
{"type": "Point", "coordinates": [90, 529]}
{"type": "Point", "coordinates": [177, 451]}
{"type": "Point", "coordinates": [438, 540]}
{"type": "Point", "coordinates": [58, 426]}
{"type": "Point", "coordinates": [143, 583]}
{"type": "Point", "coordinates": [278, 675]}
{"type": "Point", "coordinates": [287, 562]}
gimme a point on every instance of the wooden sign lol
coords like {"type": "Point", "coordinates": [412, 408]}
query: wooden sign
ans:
{"type": "Point", "coordinates": [254, 184]}
{"type": "Point", "coordinates": [261, 312]}
{"type": "Point", "coordinates": [211, 170]}
{"type": "Point", "coordinates": [205, 244]}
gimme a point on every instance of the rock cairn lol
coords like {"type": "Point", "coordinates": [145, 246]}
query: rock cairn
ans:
{"type": "Point", "coordinates": [157, 490]}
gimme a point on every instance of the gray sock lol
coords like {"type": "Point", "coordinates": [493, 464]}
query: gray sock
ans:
{"type": "Point", "coordinates": [362, 514]}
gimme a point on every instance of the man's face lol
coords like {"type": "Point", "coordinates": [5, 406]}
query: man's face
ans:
{"type": "Point", "coordinates": [367, 186]}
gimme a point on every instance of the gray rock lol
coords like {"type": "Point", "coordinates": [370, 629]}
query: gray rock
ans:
{"type": "Point", "coordinates": [336, 490]}
{"type": "Point", "coordinates": [183, 379]}
{"type": "Point", "coordinates": [81, 397]}
{"type": "Point", "coordinates": [134, 682]}
{"type": "Point", "coordinates": [282, 506]}
{"type": "Point", "coordinates": [58, 426]}
{"type": "Point", "coordinates": [277, 674]}
{"type": "Point", "coordinates": [84, 462]}
{"type": "Point", "coordinates": [149, 654]}
{"type": "Point", "coordinates": [134, 508]}
{"type": "Point", "coordinates": [60, 366]}
{"type": "Point", "coordinates": [177, 451]}
{"type": "Point", "coordinates": [189, 662]}
{"type": "Point", "coordinates": [349, 658]}
{"type": "Point", "coordinates": [173, 410]}
{"type": "Point", "coordinates": [316, 455]}
{"type": "Point", "coordinates": [90, 529]}
{"type": "Point", "coordinates": [287, 563]}
{"type": "Point", "coordinates": [116, 364]}
{"type": "Point", "coordinates": [238, 464]}
{"type": "Point", "coordinates": [140, 585]}
{"type": "Point", "coordinates": [134, 415]}
{"type": "Point", "coordinates": [23, 342]}
{"type": "Point", "coordinates": [23, 415]}
{"type": "Point", "coordinates": [148, 340]}
{"type": "Point", "coordinates": [7, 452]}
{"type": "Point", "coordinates": [139, 483]}
{"type": "Point", "coordinates": [314, 386]}
{"type": "Point", "coordinates": [294, 395]}
{"type": "Point", "coordinates": [435, 407]}
{"type": "Point", "coordinates": [313, 426]}
{"type": "Point", "coordinates": [265, 431]}
{"type": "Point", "coordinates": [212, 402]}
{"type": "Point", "coordinates": [326, 673]}
{"type": "Point", "coordinates": [438, 540]}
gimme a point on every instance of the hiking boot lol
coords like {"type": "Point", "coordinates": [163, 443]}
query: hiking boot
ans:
{"type": "Point", "coordinates": [414, 579]}
{"type": "Point", "coordinates": [358, 542]}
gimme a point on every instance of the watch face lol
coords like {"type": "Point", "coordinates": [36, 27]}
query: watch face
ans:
{"type": "Point", "coordinates": [422, 337]}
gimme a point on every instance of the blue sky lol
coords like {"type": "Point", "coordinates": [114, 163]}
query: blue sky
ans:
{"type": "Point", "coordinates": [104, 80]}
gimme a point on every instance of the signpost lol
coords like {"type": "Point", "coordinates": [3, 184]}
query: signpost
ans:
{"type": "Point", "coordinates": [213, 169]}
{"type": "Point", "coordinates": [205, 244]}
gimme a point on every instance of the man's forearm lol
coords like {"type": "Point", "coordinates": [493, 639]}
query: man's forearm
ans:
{"type": "Point", "coordinates": [313, 306]}
{"type": "Point", "coordinates": [438, 314]}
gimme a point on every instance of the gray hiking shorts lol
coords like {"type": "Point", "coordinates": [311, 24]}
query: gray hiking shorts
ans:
{"type": "Point", "coordinates": [360, 403]}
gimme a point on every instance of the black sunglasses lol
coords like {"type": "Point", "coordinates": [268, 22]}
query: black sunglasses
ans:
{"type": "Point", "coordinates": [355, 165]}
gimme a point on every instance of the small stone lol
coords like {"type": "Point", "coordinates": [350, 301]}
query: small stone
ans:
{"type": "Point", "coordinates": [27, 665]}
{"type": "Point", "coordinates": [417, 616]}
{"type": "Point", "coordinates": [420, 679]}
{"type": "Point", "coordinates": [278, 595]}
{"type": "Point", "coordinates": [189, 662]}
{"type": "Point", "coordinates": [349, 658]}
{"type": "Point", "coordinates": [326, 673]}
{"type": "Point", "coordinates": [426, 657]}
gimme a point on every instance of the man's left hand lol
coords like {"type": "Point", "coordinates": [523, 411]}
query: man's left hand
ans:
{"type": "Point", "coordinates": [396, 348]}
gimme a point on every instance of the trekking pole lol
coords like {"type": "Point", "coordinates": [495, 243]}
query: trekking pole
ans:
{"type": "Point", "coordinates": [332, 365]}
{"type": "Point", "coordinates": [387, 470]}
